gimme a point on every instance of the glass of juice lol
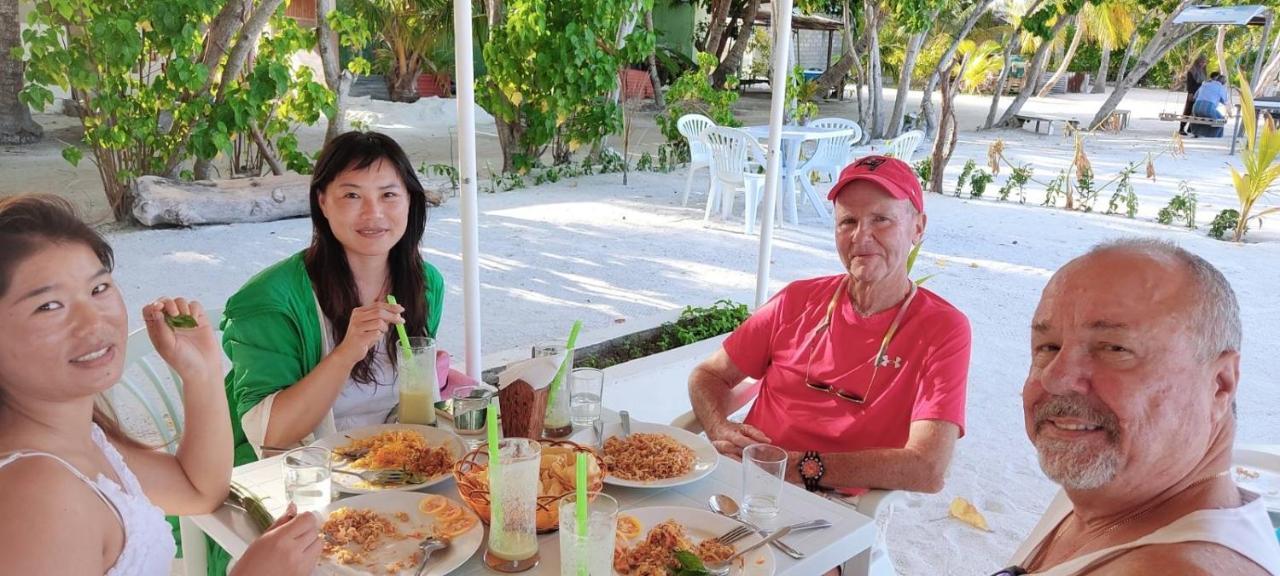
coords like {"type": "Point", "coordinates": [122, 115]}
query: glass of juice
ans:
{"type": "Point", "coordinates": [306, 478]}
{"type": "Point", "coordinates": [416, 373]}
{"type": "Point", "coordinates": [513, 523]}
{"type": "Point", "coordinates": [590, 553]}
{"type": "Point", "coordinates": [555, 422]}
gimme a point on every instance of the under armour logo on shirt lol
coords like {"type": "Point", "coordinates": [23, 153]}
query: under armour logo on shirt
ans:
{"type": "Point", "coordinates": [885, 362]}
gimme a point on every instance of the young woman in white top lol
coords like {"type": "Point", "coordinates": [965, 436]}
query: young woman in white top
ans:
{"type": "Point", "coordinates": [79, 495]}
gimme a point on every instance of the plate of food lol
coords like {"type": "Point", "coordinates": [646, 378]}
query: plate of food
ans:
{"type": "Point", "coordinates": [653, 456]}
{"type": "Point", "coordinates": [379, 534]}
{"type": "Point", "coordinates": [1258, 471]}
{"type": "Point", "coordinates": [427, 454]}
{"type": "Point", "coordinates": [670, 540]}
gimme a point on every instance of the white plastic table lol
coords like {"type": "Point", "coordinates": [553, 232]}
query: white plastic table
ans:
{"type": "Point", "coordinates": [793, 139]}
{"type": "Point", "coordinates": [850, 535]}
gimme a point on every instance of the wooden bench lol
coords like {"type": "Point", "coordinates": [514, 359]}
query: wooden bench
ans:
{"type": "Point", "coordinates": [1019, 120]}
{"type": "Point", "coordinates": [1183, 118]}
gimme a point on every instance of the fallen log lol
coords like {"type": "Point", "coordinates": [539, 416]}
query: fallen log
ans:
{"type": "Point", "coordinates": [161, 201]}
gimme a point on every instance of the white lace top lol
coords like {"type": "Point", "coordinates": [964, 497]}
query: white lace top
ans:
{"type": "Point", "coordinates": [148, 539]}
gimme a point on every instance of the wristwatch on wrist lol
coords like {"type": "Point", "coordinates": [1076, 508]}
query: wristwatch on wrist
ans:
{"type": "Point", "coordinates": [811, 470]}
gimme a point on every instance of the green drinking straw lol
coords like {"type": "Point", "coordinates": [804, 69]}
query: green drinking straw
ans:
{"type": "Point", "coordinates": [404, 337]}
{"type": "Point", "coordinates": [495, 502]}
{"type": "Point", "coordinates": [580, 510]}
{"type": "Point", "coordinates": [564, 364]}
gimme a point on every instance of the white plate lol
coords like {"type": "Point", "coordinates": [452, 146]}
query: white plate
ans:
{"type": "Point", "coordinates": [704, 453]}
{"type": "Point", "coordinates": [1247, 462]}
{"type": "Point", "coordinates": [461, 548]}
{"type": "Point", "coordinates": [701, 525]}
{"type": "Point", "coordinates": [350, 484]}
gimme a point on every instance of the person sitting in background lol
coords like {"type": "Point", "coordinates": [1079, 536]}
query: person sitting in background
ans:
{"type": "Point", "coordinates": [1130, 403]}
{"type": "Point", "coordinates": [1211, 102]}
{"type": "Point", "coordinates": [1195, 78]}
{"type": "Point", "coordinates": [862, 374]}
{"type": "Point", "coordinates": [80, 495]}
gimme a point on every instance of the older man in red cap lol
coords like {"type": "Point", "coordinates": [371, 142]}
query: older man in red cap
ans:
{"type": "Point", "coordinates": [862, 374]}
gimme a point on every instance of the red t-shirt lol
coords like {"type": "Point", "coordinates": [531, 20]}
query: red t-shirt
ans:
{"type": "Point", "coordinates": [924, 379]}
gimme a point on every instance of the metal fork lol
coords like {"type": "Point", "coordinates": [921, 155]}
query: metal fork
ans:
{"type": "Point", "coordinates": [734, 535]}
{"type": "Point", "coordinates": [379, 476]}
{"type": "Point", "coordinates": [429, 546]}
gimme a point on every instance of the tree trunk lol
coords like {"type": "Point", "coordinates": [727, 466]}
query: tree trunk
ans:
{"type": "Point", "coordinates": [1219, 46]}
{"type": "Point", "coordinates": [1010, 44]}
{"type": "Point", "coordinates": [875, 81]}
{"type": "Point", "coordinates": [1066, 58]}
{"type": "Point", "coordinates": [1100, 83]}
{"type": "Point", "coordinates": [246, 41]}
{"type": "Point", "coordinates": [733, 60]}
{"type": "Point", "coordinates": [1166, 38]}
{"type": "Point", "coordinates": [716, 26]}
{"type": "Point", "coordinates": [658, 98]}
{"type": "Point", "coordinates": [338, 80]}
{"type": "Point", "coordinates": [402, 87]}
{"type": "Point", "coordinates": [945, 141]}
{"type": "Point", "coordinates": [1128, 54]}
{"type": "Point", "coordinates": [1033, 72]}
{"type": "Point", "coordinates": [914, 44]}
{"type": "Point", "coordinates": [16, 125]}
{"type": "Point", "coordinates": [834, 75]}
{"type": "Point", "coordinates": [944, 63]}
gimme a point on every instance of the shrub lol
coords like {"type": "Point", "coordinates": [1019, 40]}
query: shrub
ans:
{"type": "Point", "coordinates": [969, 165]}
{"type": "Point", "coordinates": [978, 183]}
{"type": "Point", "coordinates": [1225, 221]}
{"type": "Point", "coordinates": [1181, 208]}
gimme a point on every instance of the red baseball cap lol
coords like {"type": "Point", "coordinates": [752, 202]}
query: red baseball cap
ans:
{"type": "Point", "coordinates": [891, 174]}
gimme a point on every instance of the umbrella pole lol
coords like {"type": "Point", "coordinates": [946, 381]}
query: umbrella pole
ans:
{"type": "Point", "coordinates": [465, 66]}
{"type": "Point", "coordinates": [778, 88]}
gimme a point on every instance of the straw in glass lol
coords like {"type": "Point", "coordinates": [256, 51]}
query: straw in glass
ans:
{"type": "Point", "coordinates": [564, 364]}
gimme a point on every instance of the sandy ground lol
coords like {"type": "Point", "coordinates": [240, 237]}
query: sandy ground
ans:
{"type": "Point", "coordinates": [596, 250]}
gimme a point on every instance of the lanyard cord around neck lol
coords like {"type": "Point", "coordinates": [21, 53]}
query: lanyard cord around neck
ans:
{"type": "Point", "coordinates": [888, 334]}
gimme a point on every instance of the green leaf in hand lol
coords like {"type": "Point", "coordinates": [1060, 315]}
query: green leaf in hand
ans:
{"type": "Point", "coordinates": [181, 321]}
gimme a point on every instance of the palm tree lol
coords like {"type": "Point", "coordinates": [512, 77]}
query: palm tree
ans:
{"type": "Point", "coordinates": [412, 34]}
{"type": "Point", "coordinates": [1111, 25]}
{"type": "Point", "coordinates": [16, 125]}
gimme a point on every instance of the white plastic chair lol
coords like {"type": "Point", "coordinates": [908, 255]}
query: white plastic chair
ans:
{"type": "Point", "coordinates": [830, 156]}
{"type": "Point", "coordinates": [737, 161]}
{"type": "Point", "coordinates": [873, 562]}
{"type": "Point", "coordinates": [691, 126]}
{"type": "Point", "coordinates": [904, 146]}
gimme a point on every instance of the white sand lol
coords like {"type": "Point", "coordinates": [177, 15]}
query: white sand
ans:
{"type": "Point", "coordinates": [595, 250]}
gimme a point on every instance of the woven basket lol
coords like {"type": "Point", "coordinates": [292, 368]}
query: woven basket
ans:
{"type": "Point", "coordinates": [476, 494]}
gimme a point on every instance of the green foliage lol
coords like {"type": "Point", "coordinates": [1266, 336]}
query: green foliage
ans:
{"type": "Point", "coordinates": [1018, 179]}
{"type": "Point", "coordinates": [697, 324]}
{"type": "Point", "coordinates": [982, 62]}
{"type": "Point", "coordinates": [1260, 157]}
{"type": "Point", "coordinates": [664, 161]}
{"type": "Point", "coordinates": [693, 93]}
{"type": "Point", "coordinates": [447, 170]}
{"type": "Point", "coordinates": [800, 94]}
{"type": "Point", "coordinates": [1124, 193]}
{"type": "Point", "coordinates": [1226, 220]}
{"type": "Point", "coordinates": [978, 183]}
{"type": "Point", "coordinates": [1085, 193]}
{"type": "Point", "coordinates": [551, 68]}
{"type": "Point", "coordinates": [761, 47]}
{"type": "Point", "coordinates": [1181, 208]}
{"type": "Point", "coordinates": [412, 36]}
{"type": "Point", "coordinates": [1055, 189]}
{"type": "Point", "coordinates": [969, 165]}
{"type": "Point", "coordinates": [924, 171]}
{"type": "Point", "coordinates": [149, 102]}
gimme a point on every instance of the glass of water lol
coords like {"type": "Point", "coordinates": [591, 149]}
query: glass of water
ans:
{"type": "Point", "coordinates": [470, 406]}
{"type": "Point", "coordinates": [587, 385]}
{"type": "Point", "coordinates": [763, 468]}
{"type": "Point", "coordinates": [306, 478]}
{"type": "Point", "coordinates": [590, 553]}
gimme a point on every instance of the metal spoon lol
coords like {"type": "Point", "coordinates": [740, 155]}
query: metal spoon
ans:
{"type": "Point", "coordinates": [725, 505]}
{"type": "Point", "coordinates": [427, 547]}
{"type": "Point", "coordinates": [722, 568]}
{"type": "Point", "coordinates": [626, 423]}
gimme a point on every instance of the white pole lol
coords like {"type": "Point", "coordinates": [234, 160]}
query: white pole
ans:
{"type": "Point", "coordinates": [778, 86]}
{"type": "Point", "coordinates": [465, 66]}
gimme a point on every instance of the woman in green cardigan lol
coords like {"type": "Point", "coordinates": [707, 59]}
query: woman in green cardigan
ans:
{"type": "Point", "coordinates": [311, 338]}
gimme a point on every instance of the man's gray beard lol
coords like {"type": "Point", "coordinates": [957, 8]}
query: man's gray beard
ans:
{"type": "Point", "coordinates": [1074, 466]}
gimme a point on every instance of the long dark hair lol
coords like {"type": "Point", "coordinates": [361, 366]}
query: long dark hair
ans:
{"type": "Point", "coordinates": [29, 223]}
{"type": "Point", "coordinates": [326, 259]}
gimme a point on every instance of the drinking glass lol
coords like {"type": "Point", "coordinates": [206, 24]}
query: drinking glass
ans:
{"type": "Point", "coordinates": [513, 523]}
{"type": "Point", "coordinates": [763, 468]}
{"type": "Point", "coordinates": [306, 478]}
{"type": "Point", "coordinates": [555, 423]}
{"type": "Point", "coordinates": [470, 406]}
{"type": "Point", "coordinates": [591, 553]}
{"type": "Point", "coordinates": [587, 385]}
{"type": "Point", "coordinates": [419, 389]}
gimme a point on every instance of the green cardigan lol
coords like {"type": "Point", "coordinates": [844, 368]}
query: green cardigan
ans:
{"type": "Point", "coordinates": [271, 331]}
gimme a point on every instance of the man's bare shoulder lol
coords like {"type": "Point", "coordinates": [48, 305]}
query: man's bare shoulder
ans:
{"type": "Point", "coordinates": [1185, 558]}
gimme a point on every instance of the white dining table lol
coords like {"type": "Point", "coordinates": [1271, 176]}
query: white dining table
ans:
{"type": "Point", "coordinates": [793, 139]}
{"type": "Point", "coordinates": [850, 536]}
